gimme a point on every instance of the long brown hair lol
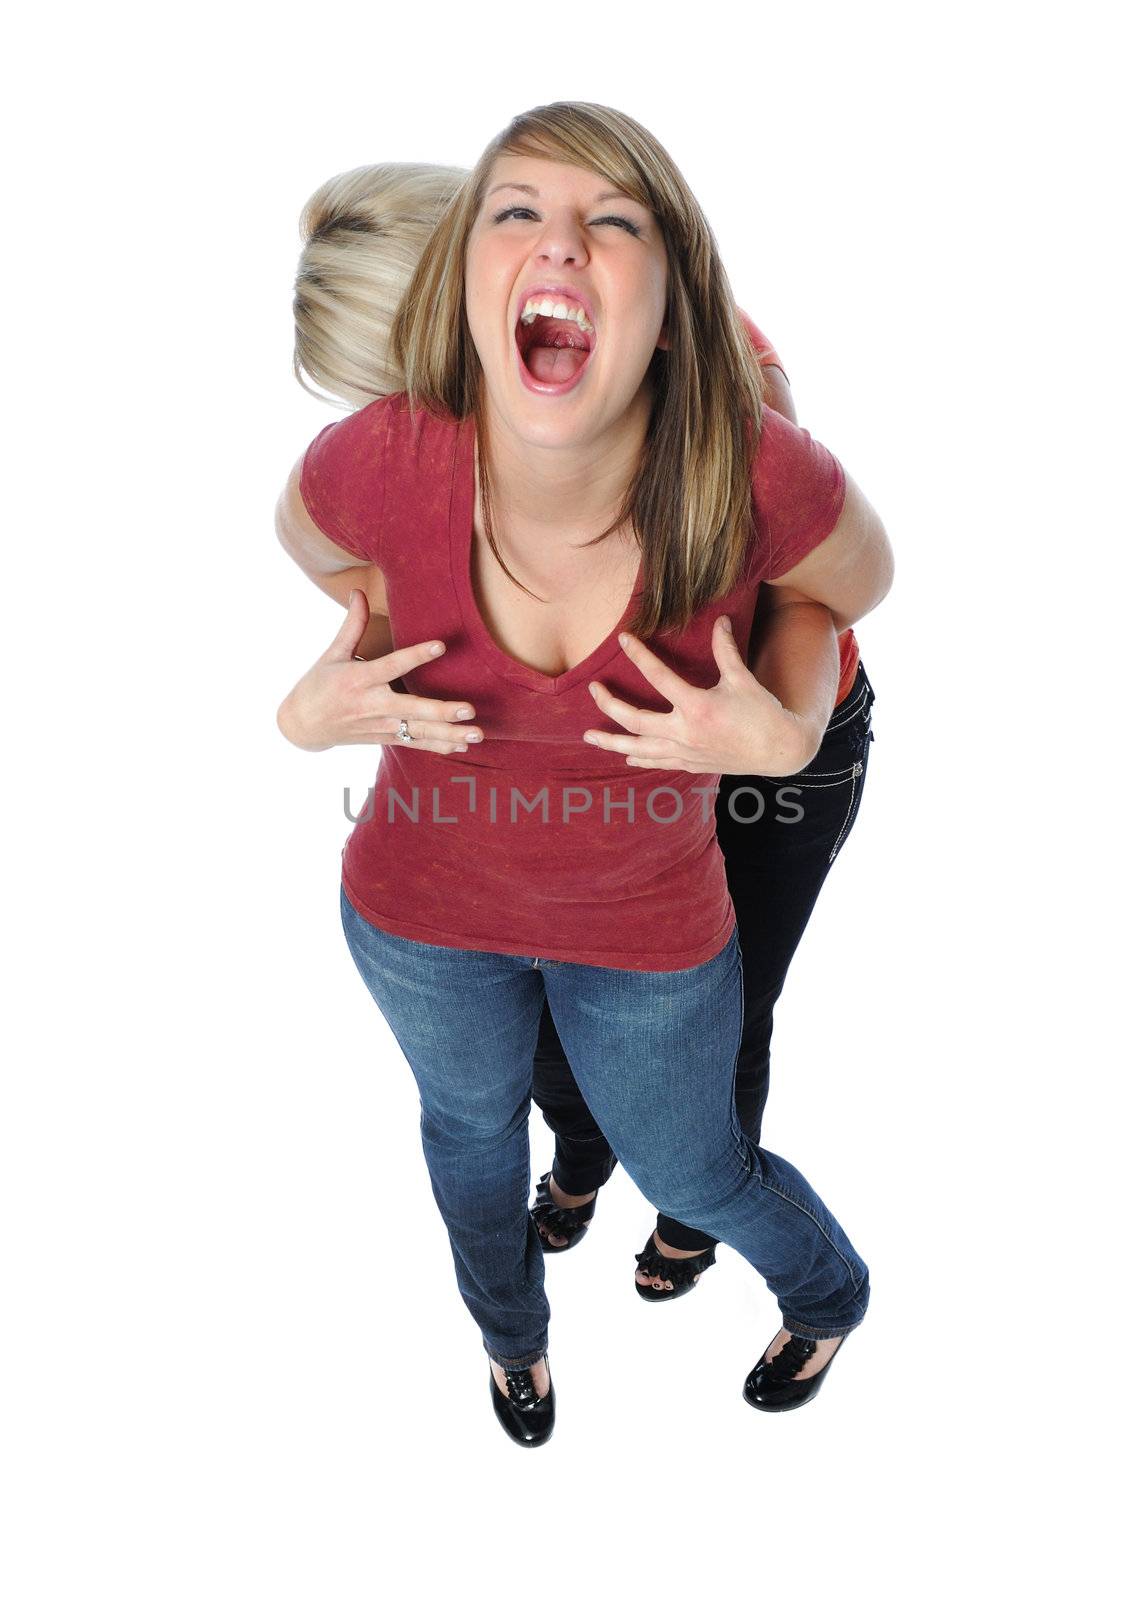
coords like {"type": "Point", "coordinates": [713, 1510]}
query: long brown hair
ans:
{"type": "Point", "coordinates": [690, 498]}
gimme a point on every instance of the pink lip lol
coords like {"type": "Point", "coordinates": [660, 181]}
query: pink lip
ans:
{"type": "Point", "coordinates": [557, 291]}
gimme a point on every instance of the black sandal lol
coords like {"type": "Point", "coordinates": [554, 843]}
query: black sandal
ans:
{"type": "Point", "coordinates": [684, 1274]}
{"type": "Point", "coordinates": [572, 1224]}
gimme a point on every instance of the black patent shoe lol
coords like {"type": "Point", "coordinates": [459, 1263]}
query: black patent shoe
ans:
{"type": "Point", "coordinates": [683, 1273]}
{"type": "Point", "coordinates": [570, 1223]}
{"type": "Point", "coordinates": [773, 1385]}
{"type": "Point", "coordinates": [528, 1420]}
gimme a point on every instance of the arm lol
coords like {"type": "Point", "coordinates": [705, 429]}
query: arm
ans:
{"type": "Point", "coordinates": [794, 654]}
{"type": "Point", "coordinates": [852, 570]}
{"type": "Point", "coordinates": [332, 569]}
{"type": "Point", "coordinates": [794, 651]}
{"type": "Point", "coordinates": [342, 698]}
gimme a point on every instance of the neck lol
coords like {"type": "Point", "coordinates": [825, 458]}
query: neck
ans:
{"type": "Point", "coordinates": [556, 494]}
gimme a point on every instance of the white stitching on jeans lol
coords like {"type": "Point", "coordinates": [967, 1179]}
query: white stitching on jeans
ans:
{"type": "Point", "coordinates": [852, 711]}
{"type": "Point", "coordinates": [839, 774]}
{"type": "Point", "coordinates": [855, 771]}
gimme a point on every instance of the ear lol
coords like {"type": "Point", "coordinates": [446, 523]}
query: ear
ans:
{"type": "Point", "coordinates": [663, 336]}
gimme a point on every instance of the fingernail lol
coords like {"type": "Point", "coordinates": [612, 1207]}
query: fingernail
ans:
{"type": "Point", "coordinates": [473, 737]}
{"type": "Point", "coordinates": [590, 738]}
{"type": "Point", "coordinates": [466, 713]}
{"type": "Point", "coordinates": [434, 649]}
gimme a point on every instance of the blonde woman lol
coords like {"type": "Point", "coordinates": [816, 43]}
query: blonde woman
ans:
{"type": "Point", "coordinates": [581, 429]}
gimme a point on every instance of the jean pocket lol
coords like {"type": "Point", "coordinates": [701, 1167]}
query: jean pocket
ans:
{"type": "Point", "coordinates": [837, 780]}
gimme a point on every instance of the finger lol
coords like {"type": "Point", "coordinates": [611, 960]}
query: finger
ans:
{"type": "Point", "coordinates": [632, 744]}
{"type": "Point", "coordinates": [397, 662]}
{"type": "Point", "coordinates": [726, 652]}
{"type": "Point", "coordinates": [426, 732]}
{"type": "Point", "coordinates": [439, 747]}
{"type": "Point", "coordinates": [351, 630]}
{"type": "Point", "coordinates": [634, 718]}
{"type": "Point", "coordinates": [414, 705]}
{"type": "Point", "coordinates": [668, 683]}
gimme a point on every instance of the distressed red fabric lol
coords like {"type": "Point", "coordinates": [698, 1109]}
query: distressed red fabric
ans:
{"type": "Point", "coordinates": [533, 842]}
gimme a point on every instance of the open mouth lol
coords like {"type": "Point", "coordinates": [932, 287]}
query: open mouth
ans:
{"type": "Point", "coordinates": [554, 351]}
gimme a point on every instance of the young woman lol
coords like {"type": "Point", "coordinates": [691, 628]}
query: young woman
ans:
{"type": "Point", "coordinates": [568, 342]}
{"type": "Point", "coordinates": [364, 231]}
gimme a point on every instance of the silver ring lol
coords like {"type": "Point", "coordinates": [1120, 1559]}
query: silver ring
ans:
{"type": "Point", "coordinates": [402, 730]}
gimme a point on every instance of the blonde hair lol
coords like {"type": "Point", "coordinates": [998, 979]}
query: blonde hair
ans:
{"type": "Point", "coordinates": [363, 232]}
{"type": "Point", "coordinates": [690, 498]}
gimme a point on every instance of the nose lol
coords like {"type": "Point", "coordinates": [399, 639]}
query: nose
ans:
{"type": "Point", "coordinates": [562, 241]}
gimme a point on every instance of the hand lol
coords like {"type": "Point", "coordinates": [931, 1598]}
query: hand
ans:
{"type": "Point", "coordinates": [341, 700]}
{"type": "Point", "coordinates": [734, 727]}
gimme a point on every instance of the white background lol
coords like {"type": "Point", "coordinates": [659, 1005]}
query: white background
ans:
{"type": "Point", "coordinates": [237, 1364]}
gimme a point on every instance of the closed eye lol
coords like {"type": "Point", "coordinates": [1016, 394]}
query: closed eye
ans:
{"type": "Point", "coordinates": [623, 222]}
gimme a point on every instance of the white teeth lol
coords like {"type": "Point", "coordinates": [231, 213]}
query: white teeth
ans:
{"type": "Point", "coordinates": [556, 308]}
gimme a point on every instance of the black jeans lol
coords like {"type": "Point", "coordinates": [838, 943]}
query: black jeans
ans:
{"type": "Point", "coordinates": [779, 837]}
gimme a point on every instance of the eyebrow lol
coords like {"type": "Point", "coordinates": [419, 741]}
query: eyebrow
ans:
{"type": "Point", "coordinates": [528, 188]}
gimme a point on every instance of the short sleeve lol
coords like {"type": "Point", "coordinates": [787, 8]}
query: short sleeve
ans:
{"type": "Point", "coordinates": [763, 346]}
{"type": "Point", "coordinates": [342, 479]}
{"type": "Point", "coordinates": [798, 490]}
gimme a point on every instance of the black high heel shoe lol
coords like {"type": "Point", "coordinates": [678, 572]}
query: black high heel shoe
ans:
{"type": "Point", "coordinates": [773, 1385]}
{"type": "Point", "coordinates": [570, 1223]}
{"type": "Point", "coordinates": [527, 1419]}
{"type": "Point", "coordinates": [682, 1273]}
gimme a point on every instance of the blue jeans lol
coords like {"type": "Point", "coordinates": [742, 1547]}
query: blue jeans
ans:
{"type": "Point", "coordinates": [654, 1054]}
{"type": "Point", "coordinates": [779, 838]}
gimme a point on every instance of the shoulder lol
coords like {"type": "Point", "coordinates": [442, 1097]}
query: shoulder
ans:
{"type": "Point", "coordinates": [342, 477]}
{"type": "Point", "coordinates": [362, 439]}
{"type": "Point", "coordinates": [352, 444]}
{"type": "Point", "coordinates": [798, 489]}
{"type": "Point", "coordinates": [788, 458]}
{"type": "Point", "coordinates": [361, 470]}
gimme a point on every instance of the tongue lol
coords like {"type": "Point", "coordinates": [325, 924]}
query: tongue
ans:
{"type": "Point", "coordinates": [555, 366]}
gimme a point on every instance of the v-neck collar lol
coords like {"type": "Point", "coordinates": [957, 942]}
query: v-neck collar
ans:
{"type": "Point", "coordinates": [462, 520]}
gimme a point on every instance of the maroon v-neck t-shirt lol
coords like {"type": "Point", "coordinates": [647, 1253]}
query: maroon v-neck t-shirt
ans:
{"type": "Point", "coordinates": [532, 842]}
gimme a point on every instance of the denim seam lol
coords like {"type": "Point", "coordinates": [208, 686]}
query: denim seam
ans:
{"type": "Point", "coordinates": [855, 771]}
{"type": "Point", "coordinates": [839, 774]}
{"type": "Point", "coordinates": [775, 1189]}
{"type": "Point", "coordinates": [739, 1042]}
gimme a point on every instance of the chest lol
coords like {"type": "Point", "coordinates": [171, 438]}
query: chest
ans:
{"type": "Point", "coordinates": [579, 596]}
